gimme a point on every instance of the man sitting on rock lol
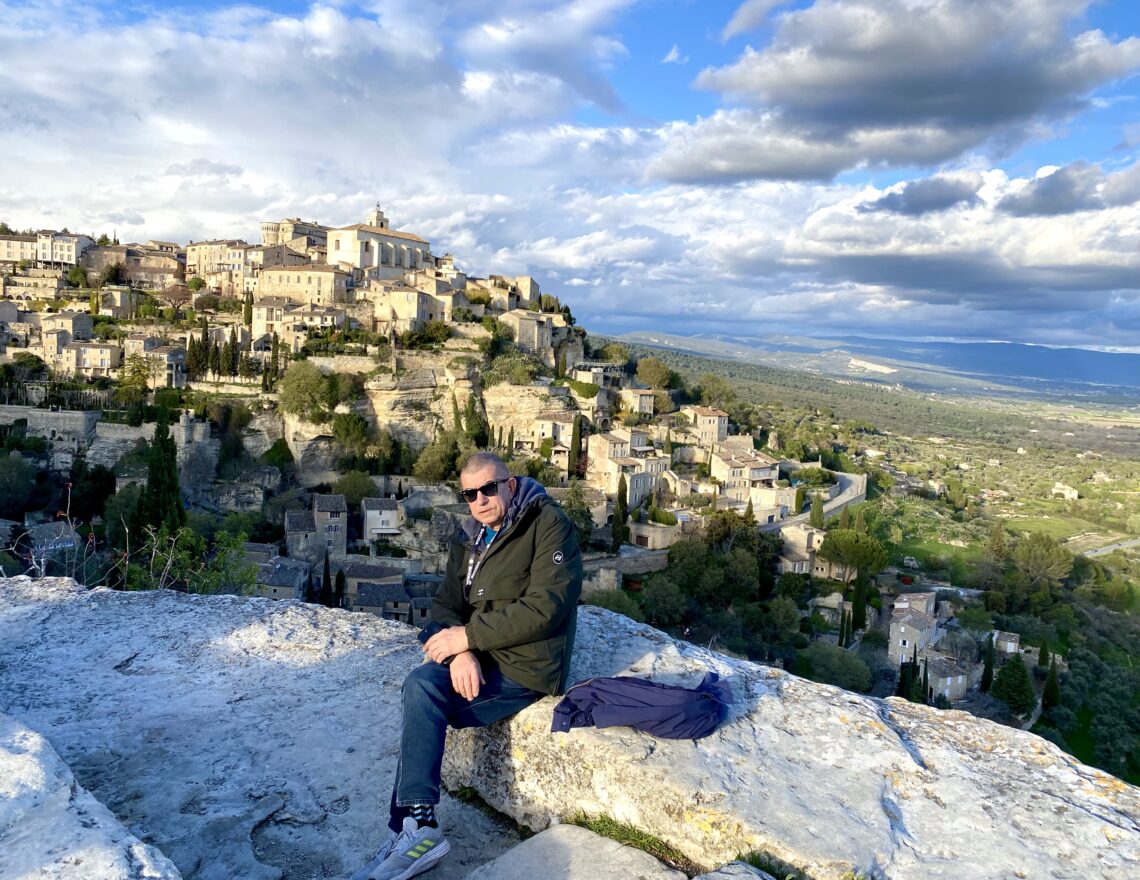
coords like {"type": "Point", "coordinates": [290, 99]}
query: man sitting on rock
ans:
{"type": "Point", "coordinates": [500, 636]}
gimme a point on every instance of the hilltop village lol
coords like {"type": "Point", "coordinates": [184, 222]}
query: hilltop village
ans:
{"type": "Point", "coordinates": [285, 419]}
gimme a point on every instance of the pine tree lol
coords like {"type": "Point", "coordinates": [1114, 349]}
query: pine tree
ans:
{"type": "Point", "coordinates": [1013, 687]}
{"type": "Point", "coordinates": [1051, 695]}
{"type": "Point", "coordinates": [988, 668]}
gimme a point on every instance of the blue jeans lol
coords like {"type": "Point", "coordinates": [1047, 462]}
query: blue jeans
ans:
{"type": "Point", "coordinates": [430, 705]}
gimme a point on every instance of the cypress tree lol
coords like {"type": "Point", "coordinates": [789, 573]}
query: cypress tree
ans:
{"type": "Point", "coordinates": [860, 524]}
{"type": "Point", "coordinates": [816, 518]}
{"type": "Point", "coordinates": [456, 418]}
{"type": "Point", "coordinates": [842, 630]}
{"type": "Point", "coordinates": [669, 444]}
{"type": "Point", "coordinates": [499, 442]}
{"type": "Point", "coordinates": [925, 681]}
{"type": "Point", "coordinates": [510, 443]}
{"type": "Point", "coordinates": [1043, 656]}
{"type": "Point", "coordinates": [618, 530]}
{"type": "Point", "coordinates": [859, 603]}
{"type": "Point", "coordinates": [247, 309]}
{"type": "Point", "coordinates": [160, 502]}
{"type": "Point", "coordinates": [845, 518]}
{"type": "Point", "coordinates": [215, 359]}
{"type": "Point", "coordinates": [339, 596]}
{"type": "Point", "coordinates": [1051, 695]}
{"type": "Point", "coordinates": [749, 514]}
{"type": "Point", "coordinates": [988, 667]}
{"type": "Point", "coordinates": [560, 365]}
{"type": "Point", "coordinates": [326, 584]}
{"type": "Point", "coordinates": [310, 592]}
{"type": "Point", "coordinates": [234, 350]}
{"type": "Point", "coordinates": [575, 445]}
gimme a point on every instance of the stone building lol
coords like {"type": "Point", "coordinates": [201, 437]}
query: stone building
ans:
{"type": "Point", "coordinates": [309, 534]}
{"type": "Point", "coordinates": [310, 284]}
{"type": "Point", "coordinates": [377, 250]}
{"type": "Point", "coordinates": [709, 425]}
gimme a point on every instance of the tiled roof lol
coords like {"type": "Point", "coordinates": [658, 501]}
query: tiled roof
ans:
{"type": "Point", "coordinates": [299, 521]}
{"type": "Point", "coordinates": [378, 504]}
{"type": "Point", "coordinates": [372, 571]}
{"type": "Point", "coordinates": [329, 504]}
{"type": "Point", "coordinates": [378, 594]}
{"type": "Point", "coordinates": [376, 230]}
{"type": "Point", "coordinates": [423, 585]}
{"type": "Point", "coordinates": [283, 573]}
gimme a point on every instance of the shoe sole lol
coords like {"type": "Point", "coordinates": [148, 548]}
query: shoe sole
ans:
{"type": "Point", "coordinates": [426, 862]}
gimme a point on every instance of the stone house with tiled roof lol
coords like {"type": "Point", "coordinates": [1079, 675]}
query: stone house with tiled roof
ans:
{"type": "Point", "coordinates": [376, 250]}
{"type": "Point", "coordinates": [382, 517]}
{"type": "Point", "coordinates": [911, 631]}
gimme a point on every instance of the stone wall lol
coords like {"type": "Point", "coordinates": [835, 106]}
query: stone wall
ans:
{"type": "Point", "coordinates": [344, 363]}
{"type": "Point", "coordinates": [607, 572]}
{"type": "Point", "coordinates": [52, 424]}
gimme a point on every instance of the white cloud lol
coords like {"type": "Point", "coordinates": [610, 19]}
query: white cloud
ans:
{"type": "Point", "coordinates": [674, 56]}
{"type": "Point", "coordinates": [205, 127]}
{"type": "Point", "coordinates": [748, 16]}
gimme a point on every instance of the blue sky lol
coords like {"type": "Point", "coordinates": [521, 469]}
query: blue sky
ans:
{"type": "Point", "coordinates": [927, 168]}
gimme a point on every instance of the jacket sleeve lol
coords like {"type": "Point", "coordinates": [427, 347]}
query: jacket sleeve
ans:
{"type": "Point", "coordinates": [447, 606]}
{"type": "Point", "coordinates": [553, 591]}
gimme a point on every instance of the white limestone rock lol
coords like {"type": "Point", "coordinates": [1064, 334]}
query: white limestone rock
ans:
{"type": "Point", "coordinates": [246, 739]}
{"type": "Point", "coordinates": [823, 779]}
{"type": "Point", "coordinates": [50, 826]}
{"type": "Point", "coordinates": [736, 871]}
{"type": "Point", "coordinates": [572, 853]}
{"type": "Point", "coordinates": [257, 739]}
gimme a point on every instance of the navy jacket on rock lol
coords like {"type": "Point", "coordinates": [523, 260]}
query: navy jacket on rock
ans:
{"type": "Point", "coordinates": [664, 710]}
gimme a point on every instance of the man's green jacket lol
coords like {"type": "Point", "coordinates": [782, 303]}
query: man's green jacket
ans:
{"type": "Point", "coordinates": [517, 598]}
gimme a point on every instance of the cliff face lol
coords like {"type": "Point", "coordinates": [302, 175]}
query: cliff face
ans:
{"type": "Point", "coordinates": [247, 738]}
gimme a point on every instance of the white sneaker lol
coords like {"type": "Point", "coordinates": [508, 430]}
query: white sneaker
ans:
{"type": "Point", "coordinates": [414, 851]}
{"type": "Point", "coordinates": [378, 859]}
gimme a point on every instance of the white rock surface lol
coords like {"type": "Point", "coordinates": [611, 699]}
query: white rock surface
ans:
{"type": "Point", "coordinates": [245, 738]}
{"type": "Point", "coordinates": [823, 779]}
{"type": "Point", "coordinates": [50, 826]}
{"type": "Point", "coordinates": [252, 739]}
{"type": "Point", "coordinates": [568, 852]}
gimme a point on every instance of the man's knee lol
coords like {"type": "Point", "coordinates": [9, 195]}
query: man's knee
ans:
{"type": "Point", "coordinates": [429, 681]}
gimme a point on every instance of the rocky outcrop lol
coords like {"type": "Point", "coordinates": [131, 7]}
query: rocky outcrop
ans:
{"type": "Point", "coordinates": [313, 449]}
{"type": "Point", "coordinates": [256, 739]}
{"type": "Point", "coordinates": [50, 826]}
{"type": "Point", "coordinates": [823, 779]}
{"type": "Point", "coordinates": [415, 402]}
{"type": "Point", "coordinates": [517, 406]}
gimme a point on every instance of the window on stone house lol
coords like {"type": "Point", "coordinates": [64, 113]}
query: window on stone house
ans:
{"type": "Point", "coordinates": [902, 643]}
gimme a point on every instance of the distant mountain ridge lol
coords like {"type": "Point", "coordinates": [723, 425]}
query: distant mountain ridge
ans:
{"type": "Point", "coordinates": [1000, 367]}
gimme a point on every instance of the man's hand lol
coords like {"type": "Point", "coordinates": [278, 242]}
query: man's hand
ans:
{"type": "Point", "coordinates": [447, 643]}
{"type": "Point", "coordinates": [466, 675]}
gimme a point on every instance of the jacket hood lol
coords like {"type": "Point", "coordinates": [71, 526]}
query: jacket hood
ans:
{"type": "Point", "coordinates": [528, 492]}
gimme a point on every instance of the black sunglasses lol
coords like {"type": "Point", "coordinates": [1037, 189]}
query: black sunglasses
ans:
{"type": "Point", "coordinates": [489, 490]}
